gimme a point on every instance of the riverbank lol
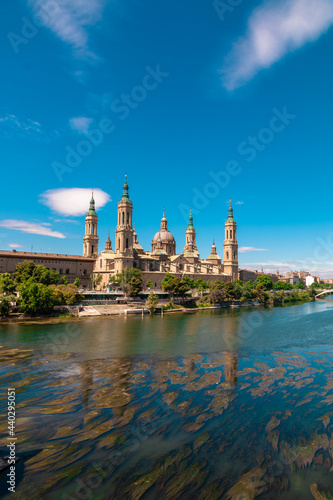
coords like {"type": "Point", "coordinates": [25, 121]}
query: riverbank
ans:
{"type": "Point", "coordinates": [76, 313]}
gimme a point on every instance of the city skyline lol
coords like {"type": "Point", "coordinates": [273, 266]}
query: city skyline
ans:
{"type": "Point", "coordinates": [181, 111]}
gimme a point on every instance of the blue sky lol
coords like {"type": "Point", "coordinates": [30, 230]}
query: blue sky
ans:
{"type": "Point", "coordinates": [198, 102]}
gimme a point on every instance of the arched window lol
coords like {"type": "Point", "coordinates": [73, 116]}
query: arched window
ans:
{"type": "Point", "coordinates": [234, 256]}
{"type": "Point", "coordinates": [89, 228]}
{"type": "Point", "coordinates": [123, 218]}
{"type": "Point", "coordinates": [230, 234]}
{"type": "Point", "coordinates": [226, 236]}
{"type": "Point", "coordinates": [119, 218]}
{"type": "Point", "coordinates": [227, 255]}
{"type": "Point", "coordinates": [118, 245]}
{"type": "Point", "coordinates": [126, 242]}
{"type": "Point", "coordinates": [92, 249]}
{"type": "Point", "coordinates": [93, 229]}
{"type": "Point", "coordinates": [127, 218]}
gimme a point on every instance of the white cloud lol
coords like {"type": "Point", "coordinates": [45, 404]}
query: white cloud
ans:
{"type": "Point", "coordinates": [251, 249]}
{"type": "Point", "coordinates": [73, 201]}
{"type": "Point", "coordinates": [30, 227]}
{"type": "Point", "coordinates": [69, 21]}
{"type": "Point", "coordinates": [275, 29]}
{"type": "Point", "coordinates": [15, 245]}
{"type": "Point", "coordinates": [11, 123]}
{"type": "Point", "coordinates": [81, 124]}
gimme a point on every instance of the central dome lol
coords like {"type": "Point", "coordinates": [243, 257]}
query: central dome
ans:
{"type": "Point", "coordinates": [164, 236]}
{"type": "Point", "coordinates": [163, 239]}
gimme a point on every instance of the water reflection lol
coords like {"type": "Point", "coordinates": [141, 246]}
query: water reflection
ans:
{"type": "Point", "coordinates": [212, 420]}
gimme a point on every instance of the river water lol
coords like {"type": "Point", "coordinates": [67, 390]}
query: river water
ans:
{"type": "Point", "coordinates": [230, 404]}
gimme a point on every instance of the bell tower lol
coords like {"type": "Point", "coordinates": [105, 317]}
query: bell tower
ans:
{"type": "Point", "coordinates": [124, 232]}
{"type": "Point", "coordinates": [90, 239]}
{"type": "Point", "coordinates": [230, 247]}
{"type": "Point", "coordinates": [190, 236]}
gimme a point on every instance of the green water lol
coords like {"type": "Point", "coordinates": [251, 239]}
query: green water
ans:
{"type": "Point", "coordinates": [229, 404]}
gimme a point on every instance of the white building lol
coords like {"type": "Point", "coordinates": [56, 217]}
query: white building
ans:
{"type": "Point", "coordinates": [309, 280]}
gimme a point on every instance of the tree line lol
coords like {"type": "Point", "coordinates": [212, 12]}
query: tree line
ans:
{"type": "Point", "coordinates": [36, 290]}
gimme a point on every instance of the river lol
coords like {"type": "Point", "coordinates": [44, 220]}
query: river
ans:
{"type": "Point", "coordinates": [205, 405]}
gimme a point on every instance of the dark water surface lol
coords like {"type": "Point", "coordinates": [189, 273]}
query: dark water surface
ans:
{"type": "Point", "coordinates": [227, 404]}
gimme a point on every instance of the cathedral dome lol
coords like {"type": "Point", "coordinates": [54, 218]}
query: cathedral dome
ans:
{"type": "Point", "coordinates": [165, 237]}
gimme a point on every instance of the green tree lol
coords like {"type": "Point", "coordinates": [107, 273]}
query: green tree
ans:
{"type": "Point", "coordinates": [35, 298]}
{"type": "Point", "coordinates": [299, 286]}
{"type": "Point", "coordinates": [54, 277]}
{"type": "Point", "coordinates": [4, 306]}
{"type": "Point", "coordinates": [170, 283]}
{"type": "Point", "coordinates": [201, 285]}
{"type": "Point", "coordinates": [24, 271]}
{"type": "Point", "coordinates": [64, 281]}
{"type": "Point", "coordinates": [229, 290]}
{"type": "Point", "coordinates": [77, 282]}
{"type": "Point", "coordinates": [182, 288]}
{"type": "Point", "coordinates": [41, 275]}
{"type": "Point", "coordinates": [281, 285]}
{"type": "Point", "coordinates": [149, 284]}
{"type": "Point", "coordinates": [131, 281]}
{"type": "Point", "coordinates": [189, 281]}
{"type": "Point", "coordinates": [7, 285]}
{"type": "Point", "coordinates": [261, 294]}
{"type": "Point", "coordinates": [265, 281]}
{"type": "Point", "coordinates": [152, 302]}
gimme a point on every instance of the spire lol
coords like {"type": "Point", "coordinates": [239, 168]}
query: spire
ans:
{"type": "Point", "coordinates": [108, 243]}
{"type": "Point", "coordinates": [164, 222]}
{"type": "Point", "coordinates": [231, 214]}
{"type": "Point", "coordinates": [92, 205]}
{"type": "Point", "coordinates": [125, 190]}
{"type": "Point", "coordinates": [214, 248]}
{"type": "Point", "coordinates": [190, 221]}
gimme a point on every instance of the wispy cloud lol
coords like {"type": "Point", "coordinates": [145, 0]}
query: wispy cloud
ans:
{"type": "Point", "coordinates": [31, 227]}
{"type": "Point", "coordinates": [73, 201]}
{"type": "Point", "coordinates": [252, 249]}
{"type": "Point", "coordinates": [275, 29]}
{"type": "Point", "coordinates": [14, 126]}
{"type": "Point", "coordinates": [70, 20]}
{"type": "Point", "coordinates": [81, 124]}
{"type": "Point", "coordinates": [15, 245]}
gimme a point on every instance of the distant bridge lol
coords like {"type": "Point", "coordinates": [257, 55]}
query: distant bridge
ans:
{"type": "Point", "coordinates": [324, 292]}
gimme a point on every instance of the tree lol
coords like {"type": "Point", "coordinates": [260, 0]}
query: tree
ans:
{"type": "Point", "coordinates": [265, 281]}
{"type": "Point", "coordinates": [35, 298]}
{"type": "Point", "coordinates": [217, 296]}
{"type": "Point", "coordinates": [152, 302]}
{"type": "Point", "coordinates": [4, 306]}
{"type": "Point", "coordinates": [77, 282]}
{"type": "Point", "coordinates": [55, 277]}
{"type": "Point", "coordinates": [299, 286]}
{"type": "Point", "coordinates": [169, 283]}
{"type": "Point", "coordinates": [182, 288]}
{"type": "Point", "coordinates": [261, 294]}
{"type": "Point", "coordinates": [7, 285]}
{"type": "Point", "coordinates": [41, 275]}
{"type": "Point", "coordinates": [149, 284]}
{"type": "Point", "coordinates": [23, 271]}
{"type": "Point", "coordinates": [189, 281]}
{"type": "Point", "coordinates": [131, 281]}
{"type": "Point", "coordinates": [229, 290]}
{"type": "Point", "coordinates": [280, 285]}
{"type": "Point", "coordinates": [201, 285]}
{"type": "Point", "coordinates": [64, 281]}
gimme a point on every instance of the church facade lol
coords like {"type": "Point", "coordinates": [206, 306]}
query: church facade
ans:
{"type": "Point", "coordinates": [163, 258]}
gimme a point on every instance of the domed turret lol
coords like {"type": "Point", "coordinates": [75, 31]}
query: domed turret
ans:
{"type": "Point", "coordinates": [167, 239]}
{"type": "Point", "coordinates": [214, 258]}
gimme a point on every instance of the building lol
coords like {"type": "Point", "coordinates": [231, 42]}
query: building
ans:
{"type": "Point", "coordinates": [248, 275]}
{"type": "Point", "coordinates": [163, 257]}
{"type": "Point", "coordinates": [71, 266]}
{"type": "Point", "coordinates": [309, 280]}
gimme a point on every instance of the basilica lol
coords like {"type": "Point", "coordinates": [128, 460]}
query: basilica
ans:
{"type": "Point", "coordinates": [162, 258]}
